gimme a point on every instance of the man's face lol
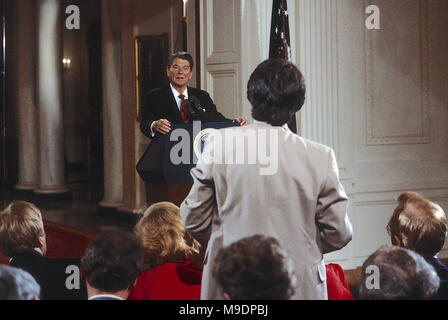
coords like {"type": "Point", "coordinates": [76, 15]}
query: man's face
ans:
{"type": "Point", "coordinates": [179, 73]}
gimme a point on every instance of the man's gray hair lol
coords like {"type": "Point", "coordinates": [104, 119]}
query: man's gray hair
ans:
{"type": "Point", "coordinates": [17, 284]}
{"type": "Point", "coordinates": [403, 275]}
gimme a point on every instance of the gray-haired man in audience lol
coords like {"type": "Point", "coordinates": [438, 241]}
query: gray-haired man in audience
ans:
{"type": "Point", "coordinates": [17, 284]}
{"type": "Point", "coordinates": [394, 273]}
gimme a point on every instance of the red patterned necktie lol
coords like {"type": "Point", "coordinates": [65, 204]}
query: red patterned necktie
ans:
{"type": "Point", "coordinates": [183, 109]}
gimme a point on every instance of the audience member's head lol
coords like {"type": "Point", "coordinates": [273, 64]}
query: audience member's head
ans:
{"type": "Point", "coordinates": [163, 235]}
{"type": "Point", "coordinates": [21, 229]}
{"type": "Point", "coordinates": [394, 273]}
{"type": "Point", "coordinates": [276, 90]}
{"type": "Point", "coordinates": [111, 263]}
{"type": "Point", "coordinates": [418, 224]}
{"type": "Point", "coordinates": [255, 268]}
{"type": "Point", "coordinates": [17, 284]}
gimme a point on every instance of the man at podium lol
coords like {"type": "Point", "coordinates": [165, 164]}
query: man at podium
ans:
{"type": "Point", "coordinates": [177, 102]}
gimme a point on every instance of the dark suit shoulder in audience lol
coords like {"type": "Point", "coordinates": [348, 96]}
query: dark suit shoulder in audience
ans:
{"type": "Point", "coordinates": [52, 275]}
{"type": "Point", "coordinates": [442, 272]}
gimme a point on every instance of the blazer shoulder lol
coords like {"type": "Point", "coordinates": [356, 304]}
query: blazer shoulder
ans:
{"type": "Point", "coordinates": [157, 91]}
{"type": "Point", "coordinates": [26, 258]}
{"type": "Point", "coordinates": [318, 155]}
{"type": "Point", "coordinates": [314, 146]}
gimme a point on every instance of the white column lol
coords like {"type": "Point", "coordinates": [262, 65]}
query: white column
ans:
{"type": "Point", "coordinates": [318, 61]}
{"type": "Point", "coordinates": [51, 176]}
{"type": "Point", "coordinates": [112, 109]}
{"type": "Point", "coordinates": [255, 30]}
{"type": "Point", "coordinates": [26, 108]}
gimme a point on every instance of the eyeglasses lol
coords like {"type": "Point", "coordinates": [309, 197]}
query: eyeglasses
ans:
{"type": "Point", "coordinates": [175, 67]}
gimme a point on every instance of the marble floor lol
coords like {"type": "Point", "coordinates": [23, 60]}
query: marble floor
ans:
{"type": "Point", "coordinates": [80, 210]}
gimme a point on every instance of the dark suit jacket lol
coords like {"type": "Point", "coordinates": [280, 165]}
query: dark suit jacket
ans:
{"type": "Point", "coordinates": [51, 275]}
{"type": "Point", "coordinates": [442, 272]}
{"type": "Point", "coordinates": [161, 104]}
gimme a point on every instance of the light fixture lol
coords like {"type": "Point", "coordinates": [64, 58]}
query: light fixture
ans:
{"type": "Point", "coordinates": [184, 25]}
{"type": "Point", "coordinates": [184, 15]}
{"type": "Point", "coordinates": [67, 62]}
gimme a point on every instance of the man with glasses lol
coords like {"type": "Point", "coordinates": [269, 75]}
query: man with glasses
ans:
{"type": "Point", "coordinates": [173, 103]}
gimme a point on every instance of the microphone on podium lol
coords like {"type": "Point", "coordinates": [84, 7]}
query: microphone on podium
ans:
{"type": "Point", "coordinates": [195, 109]}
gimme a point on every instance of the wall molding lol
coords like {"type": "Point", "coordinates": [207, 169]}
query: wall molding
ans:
{"type": "Point", "coordinates": [405, 186]}
{"type": "Point", "coordinates": [223, 55]}
{"type": "Point", "coordinates": [227, 98]}
{"type": "Point", "coordinates": [422, 136]}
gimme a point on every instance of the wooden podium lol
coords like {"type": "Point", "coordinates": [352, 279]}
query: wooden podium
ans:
{"type": "Point", "coordinates": [167, 178]}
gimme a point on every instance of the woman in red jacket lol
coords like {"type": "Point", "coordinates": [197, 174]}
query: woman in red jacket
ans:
{"type": "Point", "coordinates": [176, 272]}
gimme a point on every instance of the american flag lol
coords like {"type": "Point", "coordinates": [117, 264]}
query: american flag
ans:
{"type": "Point", "coordinates": [280, 45]}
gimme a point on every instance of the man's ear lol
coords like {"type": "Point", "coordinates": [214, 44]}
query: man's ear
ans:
{"type": "Point", "coordinates": [396, 241]}
{"type": "Point", "coordinates": [132, 285]}
{"type": "Point", "coordinates": [42, 244]}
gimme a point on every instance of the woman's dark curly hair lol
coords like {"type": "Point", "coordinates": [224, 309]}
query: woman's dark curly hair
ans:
{"type": "Point", "coordinates": [276, 90]}
{"type": "Point", "coordinates": [255, 268]}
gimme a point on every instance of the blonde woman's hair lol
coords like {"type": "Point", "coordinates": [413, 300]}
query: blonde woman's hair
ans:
{"type": "Point", "coordinates": [420, 224]}
{"type": "Point", "coordinates": [163, 234]}
{"type": "Point", "coordinates": [21, 225]}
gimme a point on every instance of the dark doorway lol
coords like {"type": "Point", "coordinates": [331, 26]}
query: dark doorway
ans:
{"type": "Point", "coordinates": [95, 123]}
{"type": "Point", "coordinates": [83, 125]}
{"type": "Point", "coordinates": [9, 148]}
{"type": "Point", "coordinates": [3, 173]}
